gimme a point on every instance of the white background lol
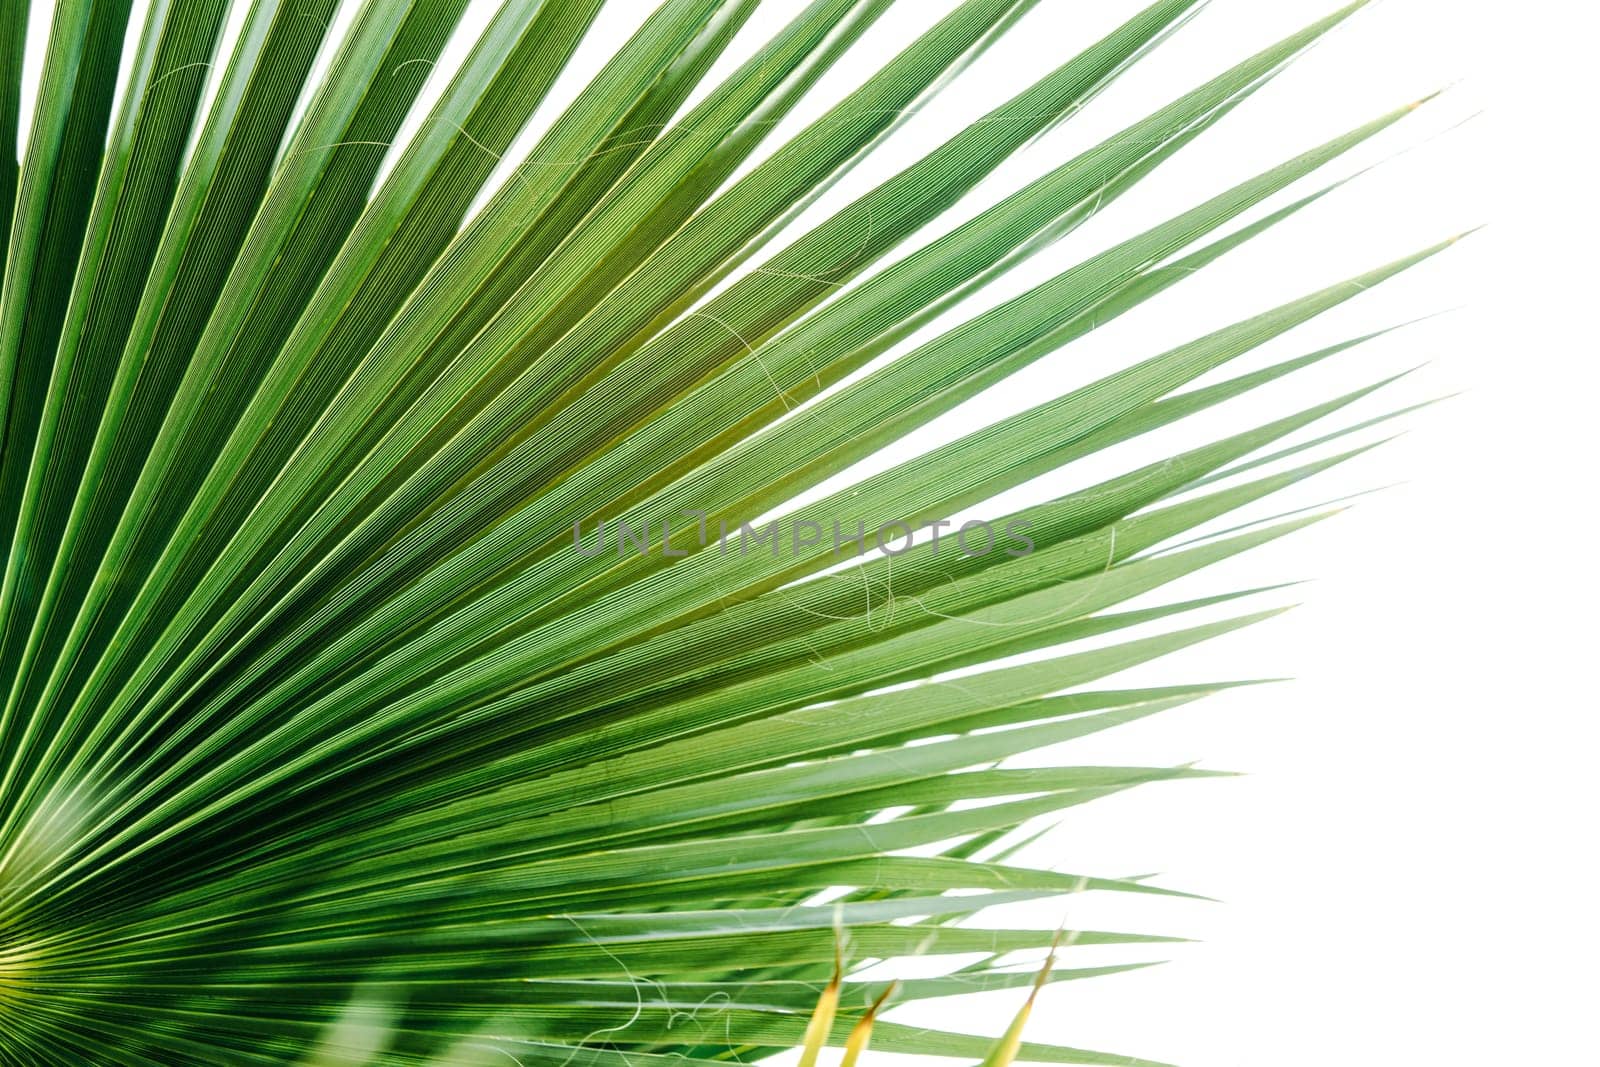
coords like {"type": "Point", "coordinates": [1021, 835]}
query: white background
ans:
{"type": "Point", "coordinates": [1404, 873]}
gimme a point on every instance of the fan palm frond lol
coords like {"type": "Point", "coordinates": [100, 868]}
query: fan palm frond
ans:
{"type": "Point", "coordinates": [435, 625]}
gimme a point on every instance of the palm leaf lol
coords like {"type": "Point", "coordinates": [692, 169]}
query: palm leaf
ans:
{"type": "Point", "coordinates": [388, 675]}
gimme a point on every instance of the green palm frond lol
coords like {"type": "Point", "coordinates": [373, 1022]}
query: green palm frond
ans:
{"type": "Point", "coordinates": [433, 628]}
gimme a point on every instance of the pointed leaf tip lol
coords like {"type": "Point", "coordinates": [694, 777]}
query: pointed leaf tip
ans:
{"type": "Point", "coordinates": [862, 1033]}
{"type": "Point", "coordinates": [1005, 1050]}
{"type": "Point", "coordinates": [1419, 101]}
{"type": "Point", "coordinates": [821, 1024]}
